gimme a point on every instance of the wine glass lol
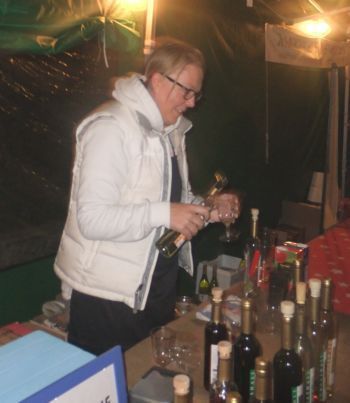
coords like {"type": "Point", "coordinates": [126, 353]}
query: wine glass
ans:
{"type": "Point", "coordinates": [225, 207]}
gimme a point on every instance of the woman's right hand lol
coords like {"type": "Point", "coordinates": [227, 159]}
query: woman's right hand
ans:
{"type": "Point", "coordinates": [188, 219]}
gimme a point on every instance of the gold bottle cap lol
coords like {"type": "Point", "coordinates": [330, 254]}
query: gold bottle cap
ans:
{"type": "Point", "coordinates": [300, 292]}
{"type": "Point", "coordinates": [233, 397]}
{"type": "Point", "coordinates": [261, 364]}
{"type": "Point", "coordinates": [217, 294]}
{"type": "Point", "coordinates": [246, 303]}
{"type": "Point", "coordinates": [327, 282]}
{"type": "Point", "coordinates": [287, 308]}
{"type": "Point", "coordinates": [225, 349]}
{"type": "Point", "coordinates": [181, 384]}
{"type": "Point", "coordinates": [315, 287]}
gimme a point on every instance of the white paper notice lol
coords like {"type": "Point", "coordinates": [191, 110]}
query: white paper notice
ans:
{"type": "Point", "coordinates": [99, 388]}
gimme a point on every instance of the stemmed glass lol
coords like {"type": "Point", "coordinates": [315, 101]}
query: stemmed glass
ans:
{"type": "Point", "coordinates": [225, 206]}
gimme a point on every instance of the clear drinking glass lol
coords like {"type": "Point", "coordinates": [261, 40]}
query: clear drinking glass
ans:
{"type": "Point", "coordinates": [163, 342]}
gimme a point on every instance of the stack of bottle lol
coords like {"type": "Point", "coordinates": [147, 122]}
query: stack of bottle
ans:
{"type": "Point", "coordinates": [302, 370]}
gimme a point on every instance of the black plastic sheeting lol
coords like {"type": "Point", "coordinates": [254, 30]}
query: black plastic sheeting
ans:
{"type": "Point", "coordinates": [42, 98]}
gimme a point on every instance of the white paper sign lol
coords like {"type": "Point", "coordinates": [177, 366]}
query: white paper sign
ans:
{"type": "Point", "coordinates": [99, 388]}
{"type": "Point", "coordinates": [283, 45]}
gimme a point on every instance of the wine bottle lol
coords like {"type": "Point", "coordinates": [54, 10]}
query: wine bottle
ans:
{"type": "Point", "coordinates": [246, 349]}
{"type": "Point", "coordinates": [262, 382]}
{"type": "Point", "coordinates": [287, 366]}
{"type": "Point", "coordinates": [329, 326]}
{"type": "Point", "coordinates": [215, 331]}
{"type": "Point", "coordinates": [316, 336]}
{"type": "Point", "coordinates": [171, 241]}
{"type": "Point", "coordinates": [252, 257]}
{"type": "Point", "coordinates": [181, 385]}
{"type": "Point", "coordinates": [224, 383]}
{"type": "Point", "coordinates": [203, 287]}
{"type": "Point", "coordinates": [303, 345]}
{"type": "Point", "coordinates": [214, 278]}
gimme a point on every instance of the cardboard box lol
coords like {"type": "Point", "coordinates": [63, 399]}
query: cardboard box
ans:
{"type": "Point", "coordinates": [305, 216]}
{"type": "Point", "coordinates": [228, 270]}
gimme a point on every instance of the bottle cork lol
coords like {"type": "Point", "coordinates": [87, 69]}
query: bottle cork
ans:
{"type": "Point", "coordinates": [255, 213]}
{"type": "Point", "coordinates": [315, 287]}
{"type": "Point", "coordinates": [225, 349]}
{"type": "Point", "coordinates": [217, 294]}
{"type": "Point", "coordinates": [233, 397]}
{"type": "Point", "coordinates": [287, 308]}
{"type": "Point", "coordinates": [181, 384]}
{"type": "Point", "coordinates": [300, 292]}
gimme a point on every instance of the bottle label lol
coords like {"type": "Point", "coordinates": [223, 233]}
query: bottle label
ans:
{"type": "Point", "coordinates": [309, 385]}
{"type": "Point", "coordinates": [252, 383]}
{"type": "Point", "coordinates": [322, 387]}
{"type": "Point", "coordinates": [180, 240]}
{"type": "Point", "coordinates": [214, 358]}
{"type": "Point", "coordinates": [297, 393]}
{"type": "Point", "coordinates": [332, 343]}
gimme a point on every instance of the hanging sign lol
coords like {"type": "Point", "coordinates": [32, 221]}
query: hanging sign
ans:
{"type": "Point", "coordinates": [284, 45]}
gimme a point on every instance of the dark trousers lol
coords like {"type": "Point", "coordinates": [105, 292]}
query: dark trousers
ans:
{"type": "Point", "coordinates": [97, 324]}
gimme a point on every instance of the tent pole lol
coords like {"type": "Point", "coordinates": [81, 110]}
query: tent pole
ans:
{"type": "Point", "coordinates": [345, 132]}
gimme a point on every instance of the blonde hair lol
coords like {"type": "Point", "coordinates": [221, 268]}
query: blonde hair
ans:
{"type": "Point", "coordinates": [172, 55]}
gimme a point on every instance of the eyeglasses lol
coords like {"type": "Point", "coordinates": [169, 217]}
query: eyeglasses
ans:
{"type": "Point", "coordinates": [189, 93]}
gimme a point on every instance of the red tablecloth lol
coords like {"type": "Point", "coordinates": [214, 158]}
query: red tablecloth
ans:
{"type": "Point", "coordinates": [329, 256]}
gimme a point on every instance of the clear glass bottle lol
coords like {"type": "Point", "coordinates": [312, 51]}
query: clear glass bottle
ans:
{"type": "Point", "coordinates": [171, 241]}
{"type": "Point", "coordinates": [215, 331]}
{"type": "Point", "coordinates": [182, 390]}
{"type": "Point", "coordinates": [329, 327]}
{"type": "Point", "coordinates": [203, 286]}
{"type": "Point", "coordinates": [224, 383]}
{"type": "Point", "coordinates": [302, 344]}
{"type": "Point", "coordinates": [252, 257]}
{"type": "Point", "coordinates": [316, 336]}
{"type": "Point", "coordinates": [262, 382]}
{"type": "Point", "coordinates": [296, 278]}
{"type": "Point", "coordinates": [287, 366]}
{"type": "Point", "coordinates": [246, 349]}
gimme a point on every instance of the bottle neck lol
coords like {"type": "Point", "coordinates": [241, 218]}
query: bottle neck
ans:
{"type": "Point", "coordinates": [287, 333]}
{"type": "Point", "coordinates": [300, 319]}
{"type": "Point", "coordinates": [247, 321]}
{"type": "Point", "coordinates": [224, 370]}
{"type": "Point", "coordinates": [315, 310]}
{"type": "Point", "coordinates": [254, 228]}
{"type": "Point", "coordinates": [326, 300]}
{"type": "Point", "coordinates": [261, 386]}
{"type": "Point", "coordinates": [216, 312]}
{"type": "Point", "coordinates": [182, 398]}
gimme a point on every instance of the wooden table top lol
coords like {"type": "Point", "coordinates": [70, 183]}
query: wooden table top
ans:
{"type": "Point", "coordinates": [138, 360]}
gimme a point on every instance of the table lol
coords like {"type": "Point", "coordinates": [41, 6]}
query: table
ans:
{"type": "Point", "coordinates": [138, 359]}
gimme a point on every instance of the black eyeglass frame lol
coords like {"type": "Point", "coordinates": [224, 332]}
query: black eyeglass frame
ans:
{"type": "Point", "coordinates": [189, 93]}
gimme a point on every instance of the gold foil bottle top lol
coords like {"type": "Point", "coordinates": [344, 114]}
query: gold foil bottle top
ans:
{"type": "Point", "coordinates": [246, 303]}
{"type": "Point", "coordinates": [300, 292]}
{"type": "Point", "coordinates": [181, 384]}
{"type": "Point", "coordinates": [233, 397]}
{"type": "Point", "coordinates": [255, 213]}
{"type": "Point", "coordinates": [287, 308]}
{"type": "Point", "coordinates": [225, 349]}
{"type": "Point", "coordinates": [315, 287]}
{"type": "Point", "coordinates": [327, 282]}
{"type": "Point", "coordinates": [217, 294]}
{"type": "Point", "coordinates": [326, 298]}
{"type": "Point", "coordinates": [261, 365]}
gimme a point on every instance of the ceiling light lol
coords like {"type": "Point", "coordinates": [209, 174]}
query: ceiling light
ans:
{"type": "Point", "coordinates": [315, 28]}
